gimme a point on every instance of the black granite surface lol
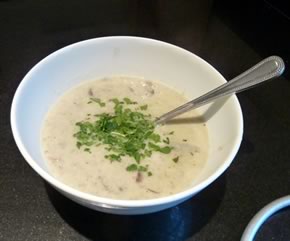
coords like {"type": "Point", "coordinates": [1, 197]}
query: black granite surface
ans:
{"type": "Point", "coordinates": [232, 36]}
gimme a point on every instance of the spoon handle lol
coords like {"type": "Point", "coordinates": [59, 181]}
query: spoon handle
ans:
{"type": "Point", "coordinates": [268, 68]}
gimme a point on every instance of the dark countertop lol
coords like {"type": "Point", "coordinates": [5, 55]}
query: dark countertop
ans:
{"type": "Point", "coordinates": [232, 36]}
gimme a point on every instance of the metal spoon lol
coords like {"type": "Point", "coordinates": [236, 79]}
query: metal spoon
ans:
{"type": "Point", "coordinates": [268, 68]}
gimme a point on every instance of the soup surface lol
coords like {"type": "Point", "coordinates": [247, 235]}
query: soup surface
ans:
{"type": "Point", "coordinates": [172, 162]}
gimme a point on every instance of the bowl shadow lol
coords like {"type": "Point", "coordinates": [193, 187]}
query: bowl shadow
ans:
{"type": "Point", "coordinates": [176, 224]}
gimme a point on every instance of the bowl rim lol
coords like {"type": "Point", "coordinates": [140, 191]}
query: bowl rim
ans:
{"type": "Point", "coordinates": [119, 203]}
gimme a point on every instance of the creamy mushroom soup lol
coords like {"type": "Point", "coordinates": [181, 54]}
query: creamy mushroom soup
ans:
{"type": "Point", "coordinates": [100, 138]}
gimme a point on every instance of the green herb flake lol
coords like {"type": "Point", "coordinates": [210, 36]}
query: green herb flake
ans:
{"type": "Point", "coordinates": [149, 174]}
{"type": "Point", "coordinates": [98, 101]}
{"type": "Point", "coordinates": [176, 159]}
{"type": "Point", "coordinates": [166, 141]}
{"type": "Point", "coordinates": [115, 101]}
{"type": "Point", "coordinates": [143, 107]}
{"type": "Point", "coordinates": [155, 137]}
{"type": "Point", "coordinates": [184, 140]}
{"type": "Point", "coordinates": [171, 133]}
{"type": "Point", "coordinates": [87, 150]}
{"type": "Point", "coordinates": [148, 153]}
{"type": "Point", "coordinates": [129, 102]}
{"type": "Point", "coordinates": [142, 169]}
{"type": "Point", "coordinates": [165, 149]}
{"type": "Point", "coordinates": [132, 168]}
{"type": "Point", "coordinates": [79, 144]}
{"type": "Point", "coordinates": [137, 157]}
{"type": "Point", "coordinates": [113, 157]}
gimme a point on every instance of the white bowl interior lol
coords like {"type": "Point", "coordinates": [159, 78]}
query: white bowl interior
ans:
{"type": "Point", "coordinates": [97, 58]}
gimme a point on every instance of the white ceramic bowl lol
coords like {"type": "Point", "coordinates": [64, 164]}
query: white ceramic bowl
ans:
{"type": "Point", "coordinates": [131, 56]}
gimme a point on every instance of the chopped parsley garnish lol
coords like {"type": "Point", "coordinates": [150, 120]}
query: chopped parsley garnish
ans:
{"type": "Point", "coordinates": [116, 101]}
{"type": "Point", "coordinates": [176, 159]}
{"type": "Point", "coordinates": [135, 168]}
{"type": "Point", "coordinates": [87, 149]}
{"type": "Point", "coordinates": [98, 101]}
{"type": "Point", "coordinates": [113, 157]}
{"type": "Point", "coordinates": [166, 141]}
{"type": "Point", "coordinates": [142, 169]}
{"type": "Point", "coordinates": [132, 168]}
{"type": "Point", "coordinates": [155, 137]}
{"type": "Point", "coordinates": [165, 149]}
{"type": "Point", "coordinates": [143, 107]}
{"type": "Point", "coordinates": [126, 132]}
{"type": "Point", "coordinates": [129, 102]}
